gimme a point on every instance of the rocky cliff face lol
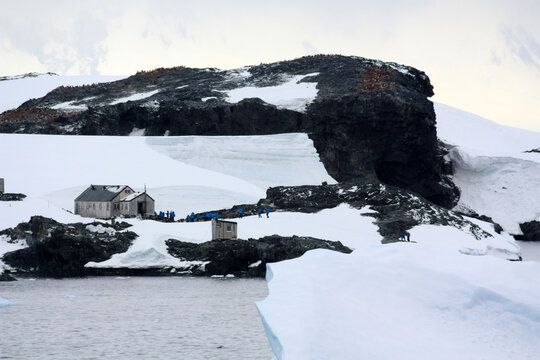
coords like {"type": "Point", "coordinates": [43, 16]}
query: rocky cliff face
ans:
{"type": "Point", "coordinates": [365, 117]}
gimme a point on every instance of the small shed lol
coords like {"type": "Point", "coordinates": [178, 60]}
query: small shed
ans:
{"type": "Point", "coordinates": [1, 185]}
{"type": "Point", "coordinates": [138, 203]}
{"type": "Point", "coordinates": [224, 230]}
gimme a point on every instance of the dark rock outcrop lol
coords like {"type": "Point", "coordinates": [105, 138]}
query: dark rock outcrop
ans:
{"type": "Point", "coordinates": [62, 250]}
{"type": "Point", "coordinates": [530, 230]}
{"type": "Point", "coordinates": [6, 277]}
{"type": "Point", "coordinates": [11, 197]}
{"type": "Point", "coordinates": [247, 258]}
{"type": "Point", "coordinates": [369, 118]}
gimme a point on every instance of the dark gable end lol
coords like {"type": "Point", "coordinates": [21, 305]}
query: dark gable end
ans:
{"type": "Point", "coordinates": [100, 193]}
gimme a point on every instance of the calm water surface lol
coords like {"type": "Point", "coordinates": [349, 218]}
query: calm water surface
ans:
{"type": "Point", "coordinates": [133, 318]}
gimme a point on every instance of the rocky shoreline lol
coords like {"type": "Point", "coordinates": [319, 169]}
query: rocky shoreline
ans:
{"type": "Point", "coordinates": [62, 250]}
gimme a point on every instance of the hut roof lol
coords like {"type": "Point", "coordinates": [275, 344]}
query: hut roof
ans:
{"type": "Point", "coordinates": [101, 193]}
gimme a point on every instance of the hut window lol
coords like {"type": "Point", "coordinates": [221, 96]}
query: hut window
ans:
{"type": "Point", "coordinates": [229, 228]}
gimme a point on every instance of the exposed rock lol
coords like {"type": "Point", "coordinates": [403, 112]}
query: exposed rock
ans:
{"type": "Point", "coordinates": [11, 197]}
{"type": "Point", "coordinates": [531, 231]}
{"type": "Point", "coordinates": [247, 258]}
{"type": "Point", "coordinates": [62, 250]}
{"type": "Point", "coordinates": [369, 118]}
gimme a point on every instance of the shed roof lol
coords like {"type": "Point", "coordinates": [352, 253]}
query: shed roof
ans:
{"type": "Point", "coordinates": [101, 193]}
{"type": "Point", "coordinates": [134, 196]}
{"type": "Point", "coordinates": [225, 221]}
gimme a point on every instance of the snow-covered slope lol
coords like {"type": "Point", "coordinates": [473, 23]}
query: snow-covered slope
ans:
{"type": "Point", "coordinates": [16, 90]}
{"type": "Point", "coordinates": [495, 174]}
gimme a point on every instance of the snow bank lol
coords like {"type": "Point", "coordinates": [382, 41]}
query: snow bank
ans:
{"type": "Point", "coordinates": [14, 92]}
{"type": "Point", "coordinates": [384, 301]}
{"type": "Point", "coordinates": [452, 239]}
{"type": "Point", "coordinates": [496, 176]}
{"type": "Point", "coordinates": [147, 259]}
{"type": "Point", "coordinates": [505, 188]}
{"type": "Point", "coordinates": [291, 94]}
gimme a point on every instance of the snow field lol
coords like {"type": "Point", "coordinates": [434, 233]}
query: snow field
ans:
{"type": "Point", "coordinates": [291, 95]}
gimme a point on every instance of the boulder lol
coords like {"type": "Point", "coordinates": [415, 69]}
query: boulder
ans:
{"type": "Point", "coordinates": [531, 231]}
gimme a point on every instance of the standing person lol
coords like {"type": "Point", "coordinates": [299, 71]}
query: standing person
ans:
{"type": "Point", "coordinates": [241, 212]}
{"type": "Point", "coordinates": [267, 212]}
{"type": "Point", "coordinates": [259, 211]}
{"type": "Point", "coordinates": [172, 215]}
{"type": "Point", "coordinates": [167, 213]}
{"type": "Point", "coordinates": [408, 235]}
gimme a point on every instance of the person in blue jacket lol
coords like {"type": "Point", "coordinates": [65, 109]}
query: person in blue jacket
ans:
{"type": "Point", "coordinates": [241, 212]}
{"type": "Point", "coordinates": [267, 212]}
{"type": "Point", "coordinates": [259, 211]}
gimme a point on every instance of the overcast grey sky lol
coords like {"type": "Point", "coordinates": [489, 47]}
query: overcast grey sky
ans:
{"type": "Point", "coordinates": [481, 56]}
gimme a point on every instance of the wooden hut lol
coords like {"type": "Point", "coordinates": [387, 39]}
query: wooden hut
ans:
{"type": "Point", "coordinates": [224, 230]}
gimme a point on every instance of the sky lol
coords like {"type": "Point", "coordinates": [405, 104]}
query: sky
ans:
{"type": "Point", "coordinates": [481, 56]}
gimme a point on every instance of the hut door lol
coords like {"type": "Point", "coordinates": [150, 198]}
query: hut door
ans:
{"type": "Point", "coordinates": [141, 208]}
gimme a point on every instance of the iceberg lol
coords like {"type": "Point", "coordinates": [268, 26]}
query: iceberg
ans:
{"type": "Point", "coordinates": [384, 301]}
{"type": "Point", "coordinates": [4, 302]}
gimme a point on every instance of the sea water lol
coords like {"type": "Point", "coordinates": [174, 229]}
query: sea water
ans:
{"type": "Point", "coordinates": [133, 318]}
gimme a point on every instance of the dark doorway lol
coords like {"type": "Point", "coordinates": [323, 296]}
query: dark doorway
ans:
{"type": "Point", "coordinates": [141, 208]}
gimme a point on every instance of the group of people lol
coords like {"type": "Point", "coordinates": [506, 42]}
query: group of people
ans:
{"type": "Point", "coordinates": [404, 236]}
{"type": "Point", "coordinates": [202, 217]}
{"type": "Point", "coordinates": [259, 212]}
{"type": "Point", "coordinates": [168, 214]}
